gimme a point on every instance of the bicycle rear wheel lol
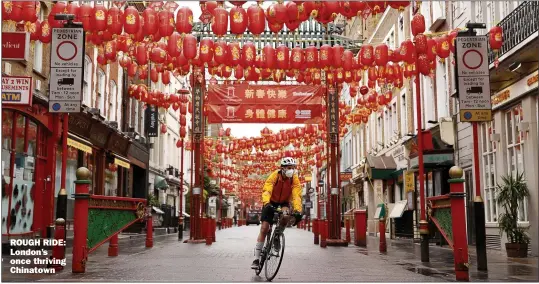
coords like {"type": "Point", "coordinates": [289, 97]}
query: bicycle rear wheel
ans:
{"type": "Point", "coordinates": [274, 258]}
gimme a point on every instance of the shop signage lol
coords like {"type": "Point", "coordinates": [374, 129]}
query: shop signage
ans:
{"type": "Point", "coordinates": [432, 159]}
{"type": "Point", "coordinates": [67, 62]}
{"type": "Point", "coordinates": [138, 153]}
{"type": "Point", "coordinates": [333, 106]}
{"type": "Point", "coordinates": [99, 134]}
{"type": "Point", "coordinates": [516, 90]}
{"type": "Point", "coordinates": [17, 90]}
{"type": "Point", "coordinates": [409, 181]}
{"type": "Point", "coordinates": [118, 144]}
{"type": "Point", "coordinates": [15, 46]}
{"type": "Point", "coordinates": [473, 78]}
{"type": "Point", "coordinates": [151, 121]}
{"type": "Point", "coordinates": [345, 176]}
{"type": "Point", "coordinates": [308, 204]}
{"type": "Point", "coordinates": [121, 163]}
{"type": "Point", "coordinates": [77, 145]}
{"type": "Point", "coordinates": [264, 94]}
{"type": "Point", "coordinates": [80, 124]}
{"type": "Point", "coordinates": [253, 113]}
{"type": "Point", "coordinates": [197, 110]}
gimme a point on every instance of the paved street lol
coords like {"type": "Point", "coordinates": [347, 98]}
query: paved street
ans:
{"type": "Point", "coordinates": [228, 260]}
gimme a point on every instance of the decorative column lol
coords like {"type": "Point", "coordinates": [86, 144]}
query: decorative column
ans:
{"type": "Point", "coordinates": [80, 220]}
{"type": "Point", "coordinates": [113, 245]}
{"type": "Point", "coordinates": [458, 219]}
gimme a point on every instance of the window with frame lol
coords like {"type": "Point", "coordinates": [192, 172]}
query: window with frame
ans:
{"type": "Point", "coordinates": [515, 159]}
{"type": "Point", "coordinates": [387, 125]}
{"type": "Point", "coordinates": [488, 148]}
{"type": "Point", "coordinates": [38, 45]}
{"type": "Point", "coordinates": [394, 120]}
{"type": "Point", "coordinates": [379, 131]}
{"type": "Point", "coordinates": [101, 91]}
{"type": "Point", "coordinates": [87, 82]}
{"type": "Point", "coordinates": [403, 114]}
{"type": "Point", "coordinates": [112, 94]}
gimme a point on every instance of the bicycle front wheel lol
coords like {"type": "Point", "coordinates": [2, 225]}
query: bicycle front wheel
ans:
{"type": "Point", "coordinates": [274, 257]}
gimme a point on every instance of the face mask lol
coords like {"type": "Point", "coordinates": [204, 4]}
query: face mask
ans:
{"type": "Point", "coordinates": [289, 173]}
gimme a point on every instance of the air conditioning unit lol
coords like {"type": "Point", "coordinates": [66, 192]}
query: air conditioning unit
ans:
{"type": "Point", "coordinates": [7, 68]}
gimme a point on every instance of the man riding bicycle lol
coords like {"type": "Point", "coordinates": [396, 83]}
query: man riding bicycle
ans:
{"type": "Point", "coordinates": [282, 189]}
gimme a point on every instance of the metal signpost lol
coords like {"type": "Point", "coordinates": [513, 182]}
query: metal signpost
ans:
{"type": "Point", "coordinates": [67, 63]}
{"type": "Point", "coordinates": [473, 89]}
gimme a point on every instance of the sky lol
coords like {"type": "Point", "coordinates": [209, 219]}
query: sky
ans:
{"type": "Point", "coordinates": [240, 129]}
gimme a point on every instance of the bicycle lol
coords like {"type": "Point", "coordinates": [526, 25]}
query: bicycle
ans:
{"type": "Point", "coordinates": [268, 253]}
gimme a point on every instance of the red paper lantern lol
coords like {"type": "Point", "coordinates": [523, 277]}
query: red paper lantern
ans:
{"type": "Point", "coordinates": [189, 46]}
{"type": "Point", "coordinates": [421, 43]}
{"type": "Point", "coordinates": [163, 128]}
{"type": "Point", "coordinates": [166, 23]}
{"type": "Point", "coordinates": [174, 44]}
{"type": "Point", "coordinates": [34, 29]}
{"type": "Point", "coordinates": [381, 54]}
{"type": "Point", "coordinates": [338, 52]}
{"type": "Point", "coordinates": [269, 56]}
{"type": "Point", "coordinates": [277, 13]}
{"type": "Point", "coordinates": [442, 46]}
{"type": "Point", "coordinates": [151, 22]}
{"type": "Point", "coordinates": [311, 57]}
{"type": "Point", "coordinates": [221, 52]}
{"type": "Point", "coordinates": [366, 55]}
{"type": "Point", "coordinates": [296, 58]}
{"type": "Point", "coordinates": [57, 8]}
{"type": "Point", "coordinates": [418, 24]}
{"type": "Point", "coordinates": [451, 37]}
{"type": "Point", "coordinates": [275, 27]}
{"type": "Point", "coordinates": [248, 54]}
{"type": "Point", "coordinates": [293, 25]}
{"type": "Point", "coordinates": [45, 36]}
{"type": "Point", "coordinates": [110, 50]}
{"type": "Point", "coordinates": [132, 69]}
{"type": "Point", "coordinates": [99, 18]}
{"type": "Point", "coordinates": [234, 53]}
{"type": "Point", "coordinates": [292, 11]}
{"type": "Point", "coordinates": [423, 64]}
{"type": "Point", "coordinates": [348, 59]}
{"type": "Point", "coordinates": [141, 54]}
{"type": "Point", "coordinates": [256, 19]}
{"type": "Point", "coordinates": [495, 37]}
{"type": "Point", "coordinates": [184, 20]}
{"type": "Point", "coordinates": [431, 49]}
{"type": "Point", "coordinates": [283, 56]}
{"type": "Point", "coordinates": [238, 20]}
{"type": "Point", "coordinates": [131, 19]}
{"type": "Point", "coordinates": [29, 10]}
{"type": "Point", "coordinates": [219, 24]}
{"type": "Point", "coordinates": [326, 55]}
{"type": "Point", "coordinates": [407, 51]}
{"type": "Point", "coordinates": [165, 77]}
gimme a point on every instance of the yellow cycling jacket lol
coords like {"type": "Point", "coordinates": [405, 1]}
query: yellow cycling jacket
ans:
{"type": "Point", "coordinates": [295, 196]}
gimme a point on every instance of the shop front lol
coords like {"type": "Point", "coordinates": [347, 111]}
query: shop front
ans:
{"type": "Point", "coordinates": [438, 158]}
{"type": "Point", "coordinates": [27, 168]}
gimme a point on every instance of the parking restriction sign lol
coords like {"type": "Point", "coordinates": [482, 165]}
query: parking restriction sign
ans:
{"type": "Point", "coordinates": [473, 78]}
{"type": "Point", "coordinates": [67, 62]}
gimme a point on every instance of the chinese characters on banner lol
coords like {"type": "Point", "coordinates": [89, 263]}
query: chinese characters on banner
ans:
{"type": "Point", "coordinates": [258, 113]}
{"type": "Point", "coordinates": [197, 109]}
{"type": "Point", "coordinates": [333, 107]}
{"type": "Point", "coordinates": [268, 94]}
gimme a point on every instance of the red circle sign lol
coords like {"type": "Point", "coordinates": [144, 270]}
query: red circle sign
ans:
{"type": "Point", "coordinates": [68, 54]}
{"type": "Point", "coordinates": [470, 63]}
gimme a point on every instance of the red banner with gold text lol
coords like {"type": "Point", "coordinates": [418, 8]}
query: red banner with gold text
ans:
{"type": "Point", "coordinates": [270, 113]}
{"type": "Point", "coordinates": [264, 94]}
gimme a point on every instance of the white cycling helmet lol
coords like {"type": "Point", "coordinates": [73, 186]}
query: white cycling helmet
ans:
{"type": "Point", "coordinates": [288, 161]}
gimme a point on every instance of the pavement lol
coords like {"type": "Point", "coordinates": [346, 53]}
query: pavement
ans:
{"type": "Point", "coordinates": [229, 259]}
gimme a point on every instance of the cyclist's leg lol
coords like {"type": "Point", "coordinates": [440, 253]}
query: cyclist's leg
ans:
{"type": "Point", "coordinates": [266, 218]}
{"type": "Point", "coordinates": [285, 218]}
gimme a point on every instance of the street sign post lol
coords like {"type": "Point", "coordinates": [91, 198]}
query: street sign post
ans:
{"type": "Point", "coordinates": [67, 70]}
{"type": "Point", "coordinates": [473, 79]}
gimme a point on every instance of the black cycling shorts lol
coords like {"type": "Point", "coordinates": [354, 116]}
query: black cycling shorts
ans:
{"type": "Point", "coordinates": [269, 211]}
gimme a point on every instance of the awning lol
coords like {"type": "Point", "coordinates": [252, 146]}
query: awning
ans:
{"type": "Point", "coordinates": [79, 143]}
{"type": "Point", "coordinates": [157, 210]}
{"type": "Point", "coordinates": [398, 209]}
{"type": "Point", "coordinates": [160, 183]}
{"type": "Point", "coordinates": [121, 161]}
{"type": "Point", "coordinates": [380, 167]}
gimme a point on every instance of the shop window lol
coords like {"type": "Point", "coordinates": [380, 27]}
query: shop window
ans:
{"type": "Point", "coordinates": [87, 82]}
{"type": "Point", "coordinates": [488, 148]}
{"type": "Point", "coordinates": [515, 160]}
{"type": "Point", "coordinates": [18, 168]}
{"type": "Point", "coordinates": [113, 114]}
{"type": "Point", "coordinates": [404, 113]}
{"type": "Point", "coordinates": [101, 91]}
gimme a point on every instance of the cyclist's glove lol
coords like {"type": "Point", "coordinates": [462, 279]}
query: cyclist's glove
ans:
{"type": "Point", "coordinates": [297, 217]}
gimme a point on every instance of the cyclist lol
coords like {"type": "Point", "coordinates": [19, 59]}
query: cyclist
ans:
{"type": "Point", "coordinates": [282, 189]}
